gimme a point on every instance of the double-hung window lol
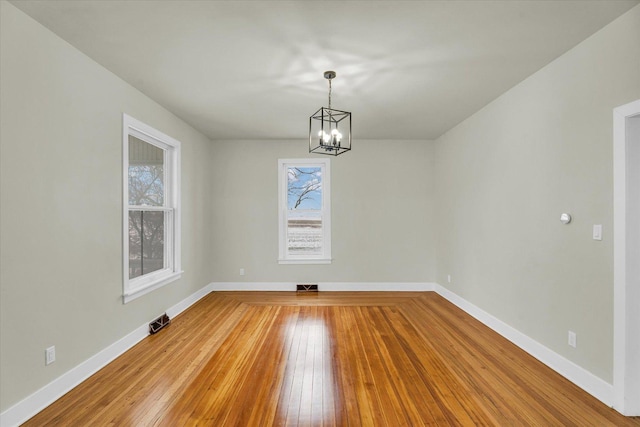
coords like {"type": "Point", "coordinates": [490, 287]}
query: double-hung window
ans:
{"type": "Point", "coordinates": [151, 220]}
{"type": "Point", "coordinates": [304, 211]}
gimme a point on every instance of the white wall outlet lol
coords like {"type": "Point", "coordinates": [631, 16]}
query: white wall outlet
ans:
{"type": "Point", "coordinates": [572, 341]}
{"type": "Point", "coordinates": [597, 232]}
{"type": "Point", "coordinates": [242, 271]}
{"type": "Point", "coordinates": [50, 355]}
{"type": "Point", "coordinates": [448, 278]}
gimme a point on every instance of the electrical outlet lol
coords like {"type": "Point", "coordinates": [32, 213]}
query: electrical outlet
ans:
{"type": "Point", "coordinates": [242, 271]}
{"type": "Point", "coordinates": [448, 278]}
{"type": "Point", "coordinates": [572, 341]}
{"type": "Point", "coordinates": [50, 355]}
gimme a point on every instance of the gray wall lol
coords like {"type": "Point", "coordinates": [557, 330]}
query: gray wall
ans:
{"type": "Point", "coordinates": [61, 199]}
{"type": "Point", "coordinates": [506, 174]}
{"type": "Point", "coordinates": [381, 200]}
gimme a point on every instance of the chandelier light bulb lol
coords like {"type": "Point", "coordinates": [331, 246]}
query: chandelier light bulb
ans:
{"type": "Point", "coordinates": [324, 137]}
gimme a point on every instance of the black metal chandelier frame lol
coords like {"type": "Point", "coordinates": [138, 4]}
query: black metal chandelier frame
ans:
{"type": "Point", "coordinates": [326, 136]}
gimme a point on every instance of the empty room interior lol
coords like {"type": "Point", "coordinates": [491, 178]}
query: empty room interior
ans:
{"type": "Point", "coordinates": [365, 213]}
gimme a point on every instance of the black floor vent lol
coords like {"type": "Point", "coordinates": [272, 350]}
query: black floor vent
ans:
{"type": "Point", "coordinates": [307, 287]}
{"type": "Point", "coordinates": [159, 323]}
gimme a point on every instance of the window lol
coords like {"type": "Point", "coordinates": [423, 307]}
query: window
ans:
{"type": "Point", "coordinates": [304, 211]}
{"type": "Point", "coordinates": [151, 220]}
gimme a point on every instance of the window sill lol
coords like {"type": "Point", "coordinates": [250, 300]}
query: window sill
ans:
{"type": "Point", "coordinates": [152, 286]}
{"type": "Point", "coordinates": [305, 261]}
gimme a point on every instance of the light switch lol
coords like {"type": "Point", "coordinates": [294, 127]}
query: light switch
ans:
{"type": "Point", "coordinates": [597, 232]}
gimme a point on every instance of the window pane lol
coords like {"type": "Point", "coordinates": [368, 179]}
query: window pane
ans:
{"type": "Point", "coordinates": [153, 244]}
{"type": "Point", "coordinates": [304, 233]}
{"type": "Point", "coordinates": [304, 188]}
{"type": "Point", "coordinates": [146, 173]}
{"type": "Point", "coordinates": [146, 242]}
{"type": "Point", "coordinates": [135, 244]}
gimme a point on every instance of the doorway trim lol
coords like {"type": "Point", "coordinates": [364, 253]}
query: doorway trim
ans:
{"type": "Point", "coordinates": [626, 365]}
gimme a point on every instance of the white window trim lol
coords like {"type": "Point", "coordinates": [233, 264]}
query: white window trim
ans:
{"type": "Point", "coordinates": [135, 288]}
{"type": "Point", "coordinates": [283, 257]}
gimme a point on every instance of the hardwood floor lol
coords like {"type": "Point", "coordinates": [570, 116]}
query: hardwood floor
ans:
{"type": "Point", "coordinates": [334, 359]}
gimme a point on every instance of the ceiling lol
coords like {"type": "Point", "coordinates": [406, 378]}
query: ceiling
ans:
{"type": "Point", "coordinates": [254, 69]}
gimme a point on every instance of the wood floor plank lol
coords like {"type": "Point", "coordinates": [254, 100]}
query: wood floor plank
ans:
{"type": "Point", "coordinates": [334, 359]}
{"type": "Point", "coordinates": [291, 340]}
{"type": "Point", "coordinates": [366, 400]}
{"type": "Point", "coordinates": [263, 401]}
{"type": "Point", "coordinates": [382, 385]}
{"type": "Point", "coordinates": [388, 349]}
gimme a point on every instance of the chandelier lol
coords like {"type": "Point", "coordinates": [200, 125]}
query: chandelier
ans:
{"type": "Point", "coordinates": [330, 129]}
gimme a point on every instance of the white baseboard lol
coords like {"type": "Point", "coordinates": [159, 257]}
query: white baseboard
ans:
{"type": "Point", "coordinates": [375, 286]}
{"type": "Point", "coordinates": [325, 286]}
{"type": "Point", "coordinates": [584, 379]}
{"type": "Point", "coordinates": [31, 405]}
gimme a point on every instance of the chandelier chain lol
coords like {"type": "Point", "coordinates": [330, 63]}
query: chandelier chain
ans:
{"type": "Point", "coordinates": [329, 94]}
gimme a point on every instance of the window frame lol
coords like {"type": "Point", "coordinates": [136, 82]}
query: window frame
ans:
{"type": "Point", "coordinates": [141, 285]}
{"type": "Point", "coordinates": [283, 256]}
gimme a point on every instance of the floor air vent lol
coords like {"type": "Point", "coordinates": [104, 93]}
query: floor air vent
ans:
{"type": "Point", "coordinates": [307, 287]}
{"type": "Point", "coordinates": [159, 323]}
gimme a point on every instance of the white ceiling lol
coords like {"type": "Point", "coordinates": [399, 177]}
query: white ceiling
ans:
{"type": "Point", "coordinates": [254, 69]}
